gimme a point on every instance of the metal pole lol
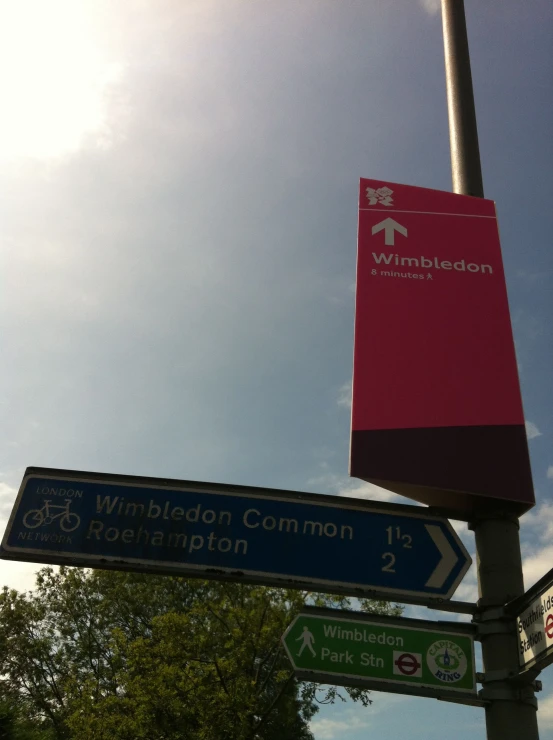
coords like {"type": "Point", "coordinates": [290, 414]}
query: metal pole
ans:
{"type": "Point", "coordinates": [463, 134]}
{"type": "Point", "coordinates": [511, 711]}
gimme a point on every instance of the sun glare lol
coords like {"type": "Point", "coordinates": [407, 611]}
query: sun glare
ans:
{"type": "Point", "coordinates": [53, 77]}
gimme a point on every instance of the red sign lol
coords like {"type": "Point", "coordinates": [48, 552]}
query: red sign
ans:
{"type": "Point", "coordinates": [437, 413]}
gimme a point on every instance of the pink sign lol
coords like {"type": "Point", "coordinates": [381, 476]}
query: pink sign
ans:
{"type": "Point", "coordinates": [437, 413]}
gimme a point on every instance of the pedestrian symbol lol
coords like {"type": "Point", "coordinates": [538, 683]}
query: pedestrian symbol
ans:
{"type": "Point", "coordinates": [308, 641]}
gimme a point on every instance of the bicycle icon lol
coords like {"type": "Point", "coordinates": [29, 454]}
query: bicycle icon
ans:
{"type": "Point", "coordinates": [37, 517]}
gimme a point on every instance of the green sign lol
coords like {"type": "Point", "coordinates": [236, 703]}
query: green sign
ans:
{"type": "Point", "coordinates": [385, 653]}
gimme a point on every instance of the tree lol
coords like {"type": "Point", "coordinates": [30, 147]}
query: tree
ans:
{"type": "Point", "coordinates": [98, 654]}
{"type": "Point", "coordinates": [14, 725]}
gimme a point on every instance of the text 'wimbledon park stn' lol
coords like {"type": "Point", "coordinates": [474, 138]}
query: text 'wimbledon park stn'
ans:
{"type": "Point", "coordinates": [417, 657]}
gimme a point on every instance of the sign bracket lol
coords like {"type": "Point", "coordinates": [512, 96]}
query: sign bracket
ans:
{"type": "Point", "coordinates": [514, 677]}
{"type": "Point", "coordinates": [459, 607]}
{"type": "Point", "coordinates": [521, 696]}
{"type": "Point", "coordinates": [471, 702]}
{"type": "Point", "coordinates": [495, 627]}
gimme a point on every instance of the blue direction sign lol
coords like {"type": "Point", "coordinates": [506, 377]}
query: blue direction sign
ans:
{"type": "Point", "coordinates": [255, 535]}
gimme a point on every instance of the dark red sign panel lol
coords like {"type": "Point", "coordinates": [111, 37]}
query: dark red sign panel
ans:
{"type": "Point", "coordinates": [437, 414]}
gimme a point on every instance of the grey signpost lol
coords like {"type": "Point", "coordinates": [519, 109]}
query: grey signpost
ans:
{"type": "Point", "coordinates": [511, 707]}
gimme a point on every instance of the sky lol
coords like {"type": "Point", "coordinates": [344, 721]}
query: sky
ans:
{"type": "Point", "coordinates": [178, 220]}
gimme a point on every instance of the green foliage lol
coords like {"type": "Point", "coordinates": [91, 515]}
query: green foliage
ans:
{"type": "Point", "coordinates": [14, 725]}
{"type": "Point", "coordinates": [97, 655]}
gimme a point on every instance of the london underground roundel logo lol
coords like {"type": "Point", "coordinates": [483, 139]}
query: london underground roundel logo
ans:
{"type": "Point", "coordinates": [446, 661]}
{"type": "Point", "coordinates": [549, 626]}
{"type": "Point", "coordinates": [407, 664]}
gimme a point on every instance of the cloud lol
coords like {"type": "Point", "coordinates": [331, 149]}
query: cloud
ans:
{"type": "Point", "coordinates": [55, 77]}
{"type": "Point", "coordinates": [7, 498]}
{"type": "Point", "coordinates": [328, 729]}
{"type": "Point", "coordinates": [157, 235]}
{"type": "Point", "coordinates": [537, 534]}
{"type": "Point", "coordinates": [540, 519]}
{"type": "Point", "coordinates": [158, 300]}
{"type": "Point", "coordinates": [546, 712]}
{"type": "Point", "coordinates": [344, 395]}
{"type": "Point", "coordinates": [537, 565]}
{"type": "Point", "coordinates": [339, 485]}
{"type": "Point", "coordinates": [550, 472]}
{"type": "Point", "coordinates": [532, 276]}
{"type": "Point", "coordinates": [432, 7]}
{"type": "Point", "coordinates": [353, 488]}
{"type": "Point", "coordinates": [532, 430]}
{"type": "Point", "coordinates": [20, 576]}
{"type": "Point", "coordinates": [345, 723]}
{"type": "Point", "coordinates": [357, 718]}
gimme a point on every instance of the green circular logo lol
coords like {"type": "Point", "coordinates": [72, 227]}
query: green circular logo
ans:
{"type": "Point", "coordinates": [446, 661]}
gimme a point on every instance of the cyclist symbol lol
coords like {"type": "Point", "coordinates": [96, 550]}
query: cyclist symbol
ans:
{"type": "Point", "coordinates": [68, 520]}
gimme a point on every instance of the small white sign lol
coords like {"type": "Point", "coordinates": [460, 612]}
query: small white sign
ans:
{"type": "Point", "coordinates": [535, 628]}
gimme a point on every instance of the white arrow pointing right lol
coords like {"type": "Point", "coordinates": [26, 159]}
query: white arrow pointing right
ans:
{"type": "Point", "coordinates": [448, 561]}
